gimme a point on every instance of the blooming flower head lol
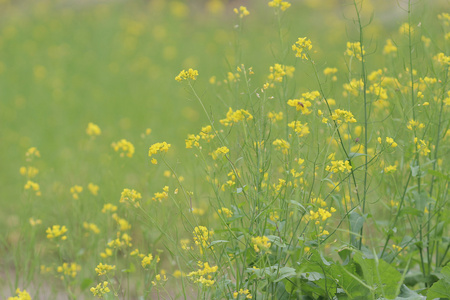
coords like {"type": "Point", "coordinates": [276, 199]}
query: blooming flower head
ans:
{"type": "Point", "coordinates": [278, 72]}
{"type": "Point", "coordinates": [355, 49]}
{"type": "Point", "coordinates": [299, 128]}
{"type": "Point", "coordinates": [75, 191]}
{"type": "Point", "coordinates": [31, 185]}
{"type": "Point", "coordinates": [279, 3]}
{"type": "Point", "coordinates": [186, 75]}
{"type": "Point", "coordinates": [389, 48]}
{"type": "Point", "coordinates": [56, 231]}
{"type": "Point", "coordinates": [69, 269]}
{"type": "Point", "coordinates": [102, 269]}
{"type": "Point", "coordinates": [302, 44]}
{"type": "Point", "coordinates": [147, 260]}
{"type": "Point", "coordinates": [21, 295]}
{"type": "Point", "coordinates": [29, 171]}
{"type": "Point", "coordinates": [93, 188]}
{"type": "Point", "coordinates": [242, 11]}
{"type": "Point", "coordinates": [219, 152]}
{"type": "Point", "coordinates": [159, 196]}
{"type": "Point", "coordinates": [93, 129]}
{"type": "Point", "coordinates": [202, 236]}
{"type": "Point", "coordinates": [125, 147]}
{"type": "Point", "coordinates": [32, 153]}
{"type": "Point", "coordinates": [100, 289]}
{"type": "Point", "coordinates": [130, 196]}
{"type": "Point", "coordinates": [158, 148]}
{"type": "Point", "coordinates": [236, 116]}
{"type": "Point", "coordinates": [260, 242]}
{"type": "Point", "coordinates": [282, 145]}
{"type": "Point", "coordinates": [204, 274]}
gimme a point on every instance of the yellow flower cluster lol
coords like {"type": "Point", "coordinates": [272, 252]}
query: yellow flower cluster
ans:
{"type": "Point", "coordinates": [280, 3]}
{"type": "Point", "coordinates": [242, 11]}
{"type": "Point", "coordinates": [353, 87]}
{"type": "Point", "coordinates": [205, 134]}
{"type": "Point", "coordinates": [56, 231]}
{"type": "Point", "coordinates": [282, 145]}
{"type": "Point", "coordinates": [414, 125]}
{"type": "Point", "coordinates": [130, 196]}
{"type": "Point", "coordinates": [21, 295]}
{"type": "Point", "coordinates": [236, 116]}
{"type": "Point", "coordinates": [69, 269]}
{"type": "Point", "coordinates": [102, 269]}
{"type": "Point", "coordinates": [389, 48]}
{"type": "Point", "coordinates": [93, 188]}
{"type": "Point", "coordinates": [354, 49]}
{"type": "Point", "coordinates": [389, 140]}
{"type": "Point", "coordinates": [75, 191]}
{"type": "Point", "coordinates": [405, 29]}
{"type": "Point", "coordinates": [159, 196]}
{"type": "Point", "coordinates": [159, 278]}
{"type": "Point", "coordinates": [300, 105]}
{"type": "Point", "coordinates": [219, 152]}
{"type": "Point", "coordinates": [422, 146]}
{"type": "Point", "coordinates": [202, 236]}
{"type": "Point", "coordinates": [108, 207]}
{"type": "Point", "coordinates": [227, 212]}
{"type": "Point", "coordinates": [261, 242]}
{"type": "Point", "coordinates": [278, 71]}
{"type": "Point", "coordinates": [32, 153]}
{"type": "Point", "coordinates": [125, 147]}
{"type": "Point", "coordinates": [99, 290]}
{"type": "Point", "coordinates": [91, 227]}
{"type": "Point", "coordinates": [245, 292]}
{"type": "Point", "coordinates": [147, 260]}
{"type": "Point", "coordinates": [339, 114]}
{"type": "Point", "coordinates": [29, 172]}
{"type": "Point", "coordinates": [33, 186]}
{"type": "Point", "coordinates": [320, 215]}
{"type": "Point", "coordinates": [302, 44]}
{"type": "Point", "coordinates": [93, 129]}
{"type": "Point", "coordinates": [185, 75]}
{"type": "Point", "coordinates": [274, 116]}
{"type": "Point", "coordinates": [199, 275]}
{"type": "Point", "coordinates": [299, 128]}
{"type": "Point", "coordinates": [33, 222]}
{"type": "Point", "coordinates": [119, 242]}
{"type": "Point", "coordinates": [123, 224]}
{"type": "Point", "coordinates": [339, 166]}
{"type": "Point", "coordinates": [158, 147]}
{"type": "Point", "coordinates": [442, 59]}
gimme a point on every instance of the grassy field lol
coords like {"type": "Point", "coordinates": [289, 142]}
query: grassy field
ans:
{"type": "Point", "coordinates": [300, 153]}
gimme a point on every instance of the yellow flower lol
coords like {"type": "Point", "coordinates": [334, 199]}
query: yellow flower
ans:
{"type": "Point", "coordinates": [219, 152]}
{"type": "Point", "coordinates": [130, 196]}
{"type": "Point", "coordinates": [102, 269]}
{"type": "Point", "coordinates": [236, 116]}
{"type": "Point", "coordinates": [228, 213]}
{"type": "Point", "coordinates": [260, 242]}
{"type": "Point", "coordinates": [339, 165]}
{"type": "Point", "coordinates": [92, 227]}
{"type": "Point", "coordinates": [30, 172]}
{"type": "Point", "coordinates": [282, 145]}
{"type": "Point", "coordinates": [33, 186]}
{"type": "Point", "coordinates": [390, 169]}
{"type": "Point", "coordinates": [99, 290]}
{"type": "Point", "coordinates": [93, 188]}
{"type": "Point", "coordinates": [202, 236]}
{"type": "Point", "coordinates": [75, 191]}
{"type": "Point", "coordinates": [21, 295]}
{"type": "Point", "coordinates": [278, 72]}
{"type": "Point", "coordinates": [34, 222]}
{"type": "Point", "coordinates": [405, 29]}
{"type": "Point", "coordinates": [274, 116]}
{"type": "Point", "coordinates": [93, 129]}
{"type": "Point", "coordinates": [158, 147]}
{"type": "Point", "coordinates": [32, 153]}
{"type": "Point", "coordinates": [355, 49]}
{"type": "Point", "coordinates": [242, 12]}
{"type": "Point", "coordinates": [159, 196]}
{"type": "Point", "coordinates": [125, 147]}
{"type": "Point", "coordinates": [56, 231]}
{"type": "Point", "coordinates": [302, 44]}
{"type": "Point", "coordinates": [147, 260]}
{"type": "Point", "coordinates": [185, 75]}
{"type": "Point", "coordinates": [389, 47]}
{"type": "Point", "coordinates": [204, 270]}
{"type": "Point", "coordinates": [339, 114]}
{"type": "Point", "coordinates": [279, 3]}
{"type": "Point", "coordinates": [69, 269]}
{"type": "Point", "coordinates": [108, 207]}
{"type": "Point", "coordinates": [299, 128]}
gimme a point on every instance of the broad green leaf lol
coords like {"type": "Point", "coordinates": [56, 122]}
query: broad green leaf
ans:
{"type": "Point", "coordinates": [356, 223]}
{"type": "Point", "coordinates": [439, 290]}
{"type": "Point", "coordinates": [86, 283]}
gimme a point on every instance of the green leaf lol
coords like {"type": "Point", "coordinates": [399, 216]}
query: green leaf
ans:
{"type": "Point", "coordinates": [438, 174]}
{"type": "Point", "coordinates": [217, 242]}
{"type": "Point", "coordinates": [407, 294]}
{"type": "Point", "coordinates": [299, 206]}
{"type": "Point", "coordinates": [356, 223]}
{"type": "Point", "coordinates": [131, 269]}
{"type": "Point", "coordinates": [411, 211]}
{"type": "Point", "coordinates": [86, 283]}
{"type": "Point", "coordinates": [441, 289]}
{"type": "Point", "coordinates": [379, 274]}
{"type": "Point", "coordinates": [353, 155]}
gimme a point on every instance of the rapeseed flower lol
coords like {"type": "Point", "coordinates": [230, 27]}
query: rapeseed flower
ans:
{"type": "Point", "coordinates": [125, 147]}
{"type": "Point", "coordinates": [245, 292]}
{"type": "Point", "coordinates": [102, 269]}
{"type": "Point", "coordinates": [280, 3]}
{"type": "Point", "coordinates": [227, 212]}
{"type": "Point", "coordinates": [21, 295]}
{"type": "Point", "coordinates": [234, 117]}
{"type": "Point", "coordinates": [339, 166]}
{"type": "Point", "coordinates": [299, 128]}
{"type": "Point", "coordinates": [130, 197]}
{"type": "Point", "coordinates": [108, 207]}
{"type": "Point", "coordinates": [75, 191]}
{"type": "Point", "coordinates": [32, 153]}
{"type": "Point", "coordinates": [185, 75]}
{"type": "Point", "coordinates": [56, 231]}
{"type": "Point", "coordinates": [159, 196]}
{"type": "Point", "coordinates": [33, 186]}
{"type": "Point", "coordinates": [355, 49]}
{"type": "Point", "coordinates": [29, 171]}
{"type": "Point", "coordinates": [71, 269]}
{"type": "Point", "coordinates": [202, 236]}
{"type": "Point", "coordinates": [93, 188]}
{"type": "Point", "coordinates": [147, 260]}
{"type": "Point", "coordinates": [221, 151]}
{"type": "Point", "coordinates": [389, 48]}
{"type": "Point", "coordinates": [242, 11]}
{"type": "Point", "coordinates": [100, 289]}
{"type": "Point", "coordinates": [204, 270]}
{"type": "Point", "coordinates": [260, 242]}
{"type": "Point", "coordinates": [158, 148]}
{"type": "Point", "coordinates": [91, 227]}
{"type": "Point", "coordinates": [282, 145]}
{"type": "Point", "coordinates": [93, 129]}
{"type": "Point", "coordinates": [302, 44]}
